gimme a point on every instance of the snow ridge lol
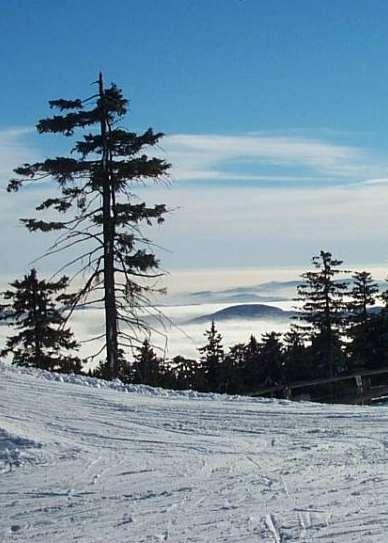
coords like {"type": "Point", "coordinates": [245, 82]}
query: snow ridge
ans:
{"type": "Point", "coordinates": [119, 386]}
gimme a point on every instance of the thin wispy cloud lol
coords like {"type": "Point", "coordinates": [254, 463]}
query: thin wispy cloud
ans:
{"type": "Point", "coordinates": [254, 226]}
{"type": "Point", "coordinates": [378, 181]}
{"type": "Point", "coordinates": [216, 225]}
{"type": "Point", "coordinates": [15, 149]}
{"type": "Point", "coordinates": [265, 158]}
{"type": "Point", "coordinates": [247, 158]}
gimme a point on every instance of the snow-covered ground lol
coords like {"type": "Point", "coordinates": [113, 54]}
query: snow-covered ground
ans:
{"type": "Point", "coordinates": [91, 461]}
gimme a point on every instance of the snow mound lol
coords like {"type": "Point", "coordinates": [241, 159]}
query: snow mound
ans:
{"type": "Point", "coordinates": [16, 451]}
{"type": "Point", "coordinates": [119, 386]}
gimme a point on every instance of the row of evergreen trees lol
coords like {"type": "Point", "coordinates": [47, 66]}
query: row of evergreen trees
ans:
{"type": "Point", "coordinates": [336, 331]}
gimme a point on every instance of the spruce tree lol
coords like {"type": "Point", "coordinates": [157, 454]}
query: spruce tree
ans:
{"type": "Point", "coordinates": [363, 295]}
{"type": "Point", "coordinates": [233, 369]}
{"type": "Point", "coordinates": [271, 358]}
{"type": "Point", "coordinates": [252, 372]}
{"type": "Point", "coordinates": [212, 356]}
{"type": "Point", "coordinates": [369, 346]}
{"type": "Point", "coordinates": [296, 357]}
{"type": "Point", "coordinates": [370, 351]}
{"type": "Point", "coordinates": [185, 371]}
{"type": "Point", "coordinates": [146, 368]}
{"type": "Point", "coordinates": [95, 187]}
{"type": "Point", "coordinates": [324, 311]}
{"type": "Point", "coordinates": [361, 333]}
{"type": "Point", "coordinates": [43, 339]}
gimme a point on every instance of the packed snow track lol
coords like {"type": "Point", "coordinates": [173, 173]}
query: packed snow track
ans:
{"type": "Point", "coordinates": [90, 461]}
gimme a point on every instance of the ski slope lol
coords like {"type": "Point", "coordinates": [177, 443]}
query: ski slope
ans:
{"type": "Point", "coordinates": [90, 461]}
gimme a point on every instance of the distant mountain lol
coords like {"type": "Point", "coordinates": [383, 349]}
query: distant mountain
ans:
{"type": "Point", "coordinates": [245, 312]}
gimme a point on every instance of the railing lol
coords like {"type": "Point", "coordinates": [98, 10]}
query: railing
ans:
{"type": "Point", "coordinates": [362, 391]}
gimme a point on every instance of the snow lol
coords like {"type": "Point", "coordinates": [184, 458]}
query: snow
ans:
{"type": "Point", "coordinates": [90, 461]}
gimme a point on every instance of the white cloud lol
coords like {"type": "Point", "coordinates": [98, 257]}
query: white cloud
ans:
{"type": "Point", "coordinates": [209, 156]}
{"type": "Point", "coordinates": [266, 148]}
{"type": "Point", "coordinates": [377, 181]}
{"type": "Point", "coordinates": [15, 149]}
{"type": "Point", "coordinates": [253, 226]}
{"type": "Point", "coordinates": [235, 226]}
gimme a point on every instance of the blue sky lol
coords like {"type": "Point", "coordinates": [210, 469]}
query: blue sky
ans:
{"type": "Point", "coordinates": [205, 65]}
{"type": "Point", "coordinates": [276, 115]}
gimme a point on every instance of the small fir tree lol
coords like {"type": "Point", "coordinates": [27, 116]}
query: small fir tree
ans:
{"type": "Point", "coordinates": [296, 357]}
{"type": "Point", "coordinates": [252, 372]}
{"type": "Point", "coordinates": [43, 338]}
{"type": "Point", "coordinates": [186, 373]}
{"type": "Point", "coordinates": [146, 368]}
{"type": "Point", "coordinates": [233, 369]}
{"type": "Point", "coordinates": [271, 358]}
{"type": "Point", "coordinates": [212, 356]}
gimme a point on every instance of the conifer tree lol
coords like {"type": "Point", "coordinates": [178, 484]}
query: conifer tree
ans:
{"type": "Point", "coordinates": [252, 348]}
{"type": "Point", "coordinates": [234, 369]}
{"type": "Point", "coordinates": [384, 298]}
{"type": "Point", "coordinates": [32, 308]}
{"type": "Point", "coordinates": [146, 368]}
{"type": "Point", "coordinates": [102, 371]}
{"type": "Point", "coordinates": [252, 371]}
{"type": "Point", "coordinates": [296, 357]}
{"type": "Point", "coordinates": [271, 357]}
{"type": "Point", "coordinates": [363, 295]}
{"type": "Point", "coordinates": [186, 372]}
{"type": "Point", "coordinates": [212, 356]}
{"type": "Point", "coordinates": [323, 309]}
{"type": "Point", "coordinates": [370, 350]}
{"type": "Point", "coordinates": [95, 188]}
{"type": "Point", "coordinates": [363, 340]}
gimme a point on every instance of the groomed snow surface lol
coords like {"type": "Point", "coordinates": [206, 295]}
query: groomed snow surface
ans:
{"type": "Point", "coordinates": [89, 461]}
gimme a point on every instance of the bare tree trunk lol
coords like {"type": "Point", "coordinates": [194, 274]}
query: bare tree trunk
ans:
{"type": "Point", "coordinates": [108, 238]}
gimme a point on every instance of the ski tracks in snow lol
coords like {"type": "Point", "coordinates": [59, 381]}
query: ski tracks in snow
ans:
{"type": "Point", "coordinates": [95, 464]}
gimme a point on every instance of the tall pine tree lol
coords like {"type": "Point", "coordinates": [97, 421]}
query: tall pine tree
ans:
{"type": "Point", "coordinates": [324, 311]}
{"type": "Point", "coordinates": [361, 328]}
{"type": "Point", "coordinates": [212, 356]}
{"type": "Point", "coordinates": [95, 188]}
{"type": "Point", "coordinates": [32, 306]}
